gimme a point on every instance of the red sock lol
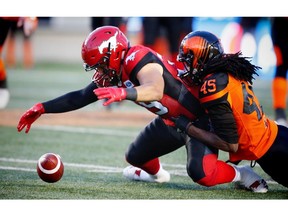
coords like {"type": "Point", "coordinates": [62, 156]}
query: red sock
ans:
{"type": "Point", "coordinates": [151, 167]}
{"type": "Point", "coordinates": [216, 171]}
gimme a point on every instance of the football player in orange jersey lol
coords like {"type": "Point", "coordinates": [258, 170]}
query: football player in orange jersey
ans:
{"type": "Point", "coordinates": [139, 74]}
{"type": "Point", "coordinates": [279, 37]}
{"type": "Point", "coordinates": [225, 91]}
{"type": "Point", "coordinates": [29, 25]}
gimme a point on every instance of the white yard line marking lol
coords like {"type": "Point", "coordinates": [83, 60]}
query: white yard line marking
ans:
{"type": "Point", "coordinates": [88, 167]}
{"type": "Point", "coordinates": [123, 133]}
{"type": "Point", "coordinates": [17, 168]}
{"type": "Point", "coordinates": [177, 169]}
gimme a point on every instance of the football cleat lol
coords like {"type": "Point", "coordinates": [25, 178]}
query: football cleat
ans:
{"type": "Point", "coordinates": [137, 174]}
{"type": "Point", "coordinates": [251, 180]}
{"type": "Point", "coordinates": [259, 186]}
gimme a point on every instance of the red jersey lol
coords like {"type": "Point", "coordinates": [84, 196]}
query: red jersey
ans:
{"type": "Point", "coordinates": [177, 100]}
{"type": "Point", "coordinates": [256, 132]}
{"type": "Point", "coordinates": [11, 18]}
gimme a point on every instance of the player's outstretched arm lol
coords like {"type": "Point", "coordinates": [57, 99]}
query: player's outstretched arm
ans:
{"type": "Point", "coordinates": [30, 116]}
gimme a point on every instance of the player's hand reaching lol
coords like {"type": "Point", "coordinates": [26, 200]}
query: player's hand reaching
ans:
{"type": "Point", "coordinates": [30, 116]}
{"type": "Point", "coordinates": [182, 123]}
{"type": "Point", "coordinates": [111, 94]}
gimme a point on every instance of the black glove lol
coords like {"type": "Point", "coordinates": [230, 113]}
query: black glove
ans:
{"type": "Point", "coordinates": [182, 123]}
{"type": "Point", "coordinates": [203, 122]}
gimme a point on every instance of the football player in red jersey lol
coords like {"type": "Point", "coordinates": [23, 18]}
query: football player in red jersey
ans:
{"type": "Point", "coordinates": [225, 91]}
{"type": "Point", "coordinates": [29, 25]}
{"type": "Point", "coordinates": [137, 73]}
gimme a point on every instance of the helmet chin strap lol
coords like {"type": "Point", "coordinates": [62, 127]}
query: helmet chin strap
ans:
{"type": "Point", "coordinates": [124, 52]}
{"type": "Point", "coordinates": [119, 84]}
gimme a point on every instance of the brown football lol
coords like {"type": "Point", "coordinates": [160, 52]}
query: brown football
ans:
{"type": "Point", "coordinates": [50, 167]}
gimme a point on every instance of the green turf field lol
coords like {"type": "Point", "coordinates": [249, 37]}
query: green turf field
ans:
{"type": "Point", "coordinates": [94, 156]}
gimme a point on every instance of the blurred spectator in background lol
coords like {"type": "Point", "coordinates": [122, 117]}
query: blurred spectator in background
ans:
{"type": "Point", "coordinates": [249, 24]}
{"type": "Point", "coordinates": [243, 37]}
{"type": "Point", "coordinates": [248, 36]}
{"type": "Point", "coordinates": [28, 60]}
{"type": "Point", "coordinates": [163, 34]}
{"type": "Point", "coordinates": [5, 24]}
{"type": "Point", "coordinates": [279, 36]}
{"type": "Point", "coordinates": [119, 22]}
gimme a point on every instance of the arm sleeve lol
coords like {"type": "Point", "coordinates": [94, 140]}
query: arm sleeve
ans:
{"type": "Point", "coordinates": [223, 122]}
{"type": "Point", "coordinates": [72, 100]}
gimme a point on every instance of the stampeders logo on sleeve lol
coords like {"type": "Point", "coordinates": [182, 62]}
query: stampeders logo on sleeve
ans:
{"type": "Point", "coordinates": [131, 57]}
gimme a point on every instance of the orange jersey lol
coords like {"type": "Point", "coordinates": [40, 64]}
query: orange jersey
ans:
{"type": "Point", "coordinates": [255, 131]}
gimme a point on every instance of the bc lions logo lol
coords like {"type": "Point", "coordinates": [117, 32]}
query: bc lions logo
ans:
{"type": "Point", "coordinates": [131, 57]}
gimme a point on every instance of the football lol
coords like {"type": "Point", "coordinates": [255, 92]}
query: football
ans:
{"type": "Point", "coordinates": [50, 167]}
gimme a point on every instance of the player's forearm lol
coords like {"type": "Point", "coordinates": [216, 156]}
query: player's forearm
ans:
{"type": "Point", "coordinates": [65, 103]}
{"type": "Point", "coordinates": [147, 93]}
{"type": "Point", "coordinates": [210, 139]}
{"type": "Point", "coordinates": [71, 101]}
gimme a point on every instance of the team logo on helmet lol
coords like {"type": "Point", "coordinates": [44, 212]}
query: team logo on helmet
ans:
{"type": "Point", "coordinates": [113, 43]}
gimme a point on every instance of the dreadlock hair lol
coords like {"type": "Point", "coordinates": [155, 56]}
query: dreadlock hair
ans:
{"type": "Point", "coordinates": [239, 67]}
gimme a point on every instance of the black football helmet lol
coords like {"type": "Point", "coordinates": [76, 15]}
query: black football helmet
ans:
{"type": "Point", "coordinates": [196, 49]}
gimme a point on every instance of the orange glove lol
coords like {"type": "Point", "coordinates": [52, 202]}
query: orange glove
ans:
{"type": "Point", "coordinates": [111, 94]}
{"type": "Point", "coordinates": [30, 116]}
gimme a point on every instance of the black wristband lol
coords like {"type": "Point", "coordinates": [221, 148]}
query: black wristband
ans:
{"type": "Point", "coordinates": [188, 126]}
{"type": "Point", "coordinates": [131, 94]}
{"type": "Point", "coordinates": [183, 123]}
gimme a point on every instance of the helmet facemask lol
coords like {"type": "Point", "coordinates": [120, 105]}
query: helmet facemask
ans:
{"type": "Point", "coordinates": [192, 74]}
{"type": "Point", "coordinates": [104, 76]}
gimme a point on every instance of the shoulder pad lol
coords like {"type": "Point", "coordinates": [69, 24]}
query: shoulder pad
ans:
{"type": "Point", "coordinates": [213, 83]}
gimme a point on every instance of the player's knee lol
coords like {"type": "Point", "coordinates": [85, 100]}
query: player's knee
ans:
{"type": "Point", "coordinates": [207, 181]}
{"type": "Point", "coordinates": [129, 157]}
{"type": "Point", "coordinates": [132, 158]}
{"type": "Point", "coordinates": [196, 172]}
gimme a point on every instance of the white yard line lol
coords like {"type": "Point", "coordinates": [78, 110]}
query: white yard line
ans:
{"type": "Point", "coordinates": [17, 169]}
{"type": "Point", "coordinates": [87, 167]}
{"type": "Point", "coordinates": [123, 133]}
{"type": "Point", "coordinates": [179, 169]}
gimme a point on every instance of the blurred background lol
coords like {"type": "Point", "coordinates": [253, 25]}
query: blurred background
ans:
{"type": "Point", "coordinates": [59, 39]}
{"type": "Point", "coordinates": [48, 64]}
{"type": "Point", "coordinates": [52, 53]}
